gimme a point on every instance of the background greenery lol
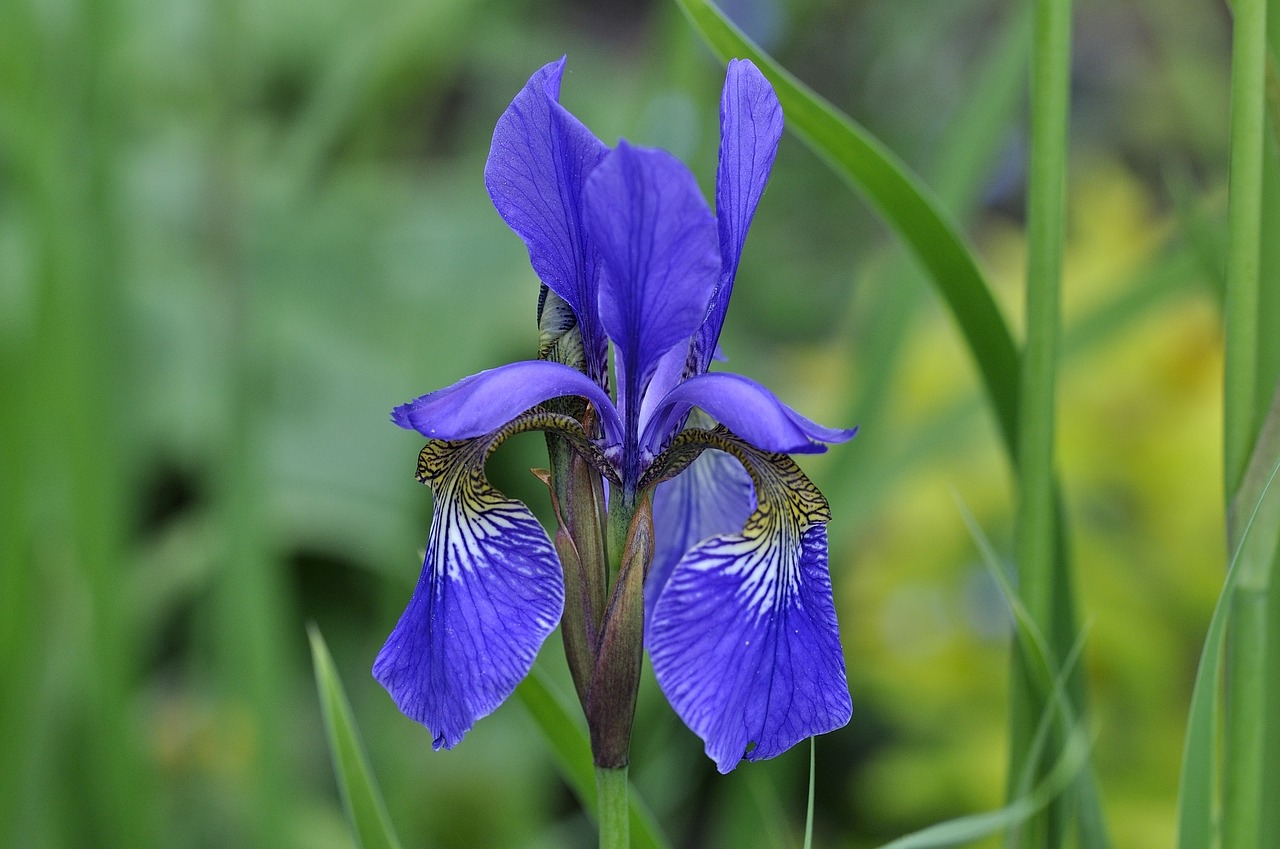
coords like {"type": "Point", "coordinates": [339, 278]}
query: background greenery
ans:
{"type": "Point", "coordinates": [234, 235]}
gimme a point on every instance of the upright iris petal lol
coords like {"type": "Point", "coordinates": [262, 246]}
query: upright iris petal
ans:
{"type": "Point", "coordinates": [750, 129]}
{"type": "Point", "coordinates": [657, 238]}
{"type": "Point", "coordinates": [539, 161]}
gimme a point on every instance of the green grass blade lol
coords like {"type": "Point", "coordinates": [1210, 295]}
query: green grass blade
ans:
{"type": "Point", "coordinates": [370, 825]}
{"type": "Point", "coordinates": [963, 830]}
{"type": "Point", "coordinates": [571, 749]}
{"type": "Point", "coordinates": [1244, 722]}
{"type": "Point", "coordinates": [1051, 686]}
{"type": "Point", "coordinates": [1244, 216]}
{"type": "Point", "coordinates": [1196, 796]}
{"type": "Point", "coordinates": [901, 198]}
{"type": "Point", "coordinates": [1040, 571]}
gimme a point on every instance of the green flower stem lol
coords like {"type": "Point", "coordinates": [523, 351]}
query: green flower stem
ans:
{"type": "Point", "coordinates": [1244, 217]}
{"type": "Point", "coordinates": [1245, 723]}
{"type": "Point", "coordinates": [611, 794]}
{"type": "Point", "coordinates": [1046, 216]}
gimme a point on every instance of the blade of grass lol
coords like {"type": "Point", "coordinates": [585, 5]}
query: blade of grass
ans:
{"type": "Point", "coordinates": [1196, 795]}
{"type": "Point", "coordinates": [966, 156]}
{"type": "Point", "coordinates": [901, 198]}
{"type": "Point", "coordinates": [1038, 658]}
{"type": "Point", "coordinates": [361, 798]}
{"type": "Point", "coordinates": [1244, 216]}
{"type": "Point", "coordinates": [964, 830]}
{"type": "Point", "coordinates": [1245, 726]}
{"type": "Point", "coordinates": [571, 749]}
{"type": "Point", "coordinates": [1038, 567]}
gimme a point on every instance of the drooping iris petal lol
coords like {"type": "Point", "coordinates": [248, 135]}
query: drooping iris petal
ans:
{"type": "Point", "coordinates": [540, 159]}
{"type": "Point", "coordinates": [489, 595]}
{"type": "Point", "coordinates": [713, 496]}
{"type": "Point", "coordinates": [744, 639]}
{"type": "Point", "coordinates": [485, 401]}
{"type": "Point", "coordinates": [748, 409]}
{"type": "Point", "coordinates": [750, 128]}
{"type": "Point", "coordinates": [657, 238]}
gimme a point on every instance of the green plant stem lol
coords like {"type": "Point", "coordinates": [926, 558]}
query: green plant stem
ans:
{"type": "Point", "coordinates": [1245, 718]}
{"type": "Point", "coordinates": [1244, 218]}
{"type": "Point", "coordinates": [1046, 217]}
{"type": "Point", "coordinates": [611, 795]}
{"type": "Point", "coordinates": [1245, 725]}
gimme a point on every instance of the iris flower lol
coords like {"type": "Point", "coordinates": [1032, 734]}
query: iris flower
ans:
{"type": "Point", "coordinates": [738, 618]}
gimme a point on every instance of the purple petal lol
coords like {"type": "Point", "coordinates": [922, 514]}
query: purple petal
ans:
{"type": "Point", "coordinates": [745, 644]}
{"type": "Point", "coordinates": [490, 593]}
{"type": "Point", "coordinates": [484, 402]}
{"type": "Point", "coordinates": [713, 496]}
{"type": "Point", "coordinates": [748, 409]}
{"type": "Point", "coordinates": [657, 239]}
{"type": "Point", "coordinates": [540, 158]}
{"type": "Point", "coordinates": [750, 128]}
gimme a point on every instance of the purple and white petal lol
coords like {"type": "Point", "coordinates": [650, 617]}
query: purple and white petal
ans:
{"type": "Point", "coordinates": [744, 639]}
{"type": "Point", "coordinates": [713, 496]}
{"type": "Point", "coordinates": [748, 409]}
{"type": "Point", "coordinates": [750, 128]}
{"type": "Point", "coordinates": [657, 239]}
{"type": "Point", "coordinates": [483, 402]}
{"type": "Point", "coordinates": [538, 163]}
{"type": "Point", "coordinates": [490, 593]}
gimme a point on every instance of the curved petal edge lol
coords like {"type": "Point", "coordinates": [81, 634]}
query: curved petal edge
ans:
{"type": "Point", "coordinates": [748, 409]}
{"type": "Point", "coordinates": [483, 402]}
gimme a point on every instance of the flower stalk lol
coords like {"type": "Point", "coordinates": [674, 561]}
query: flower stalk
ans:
{"type": "Point", "coordinates": [611, 792]}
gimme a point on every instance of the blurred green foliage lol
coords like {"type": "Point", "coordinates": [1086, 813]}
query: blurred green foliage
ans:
{"type": "Point", "coordinates": [234, 235]}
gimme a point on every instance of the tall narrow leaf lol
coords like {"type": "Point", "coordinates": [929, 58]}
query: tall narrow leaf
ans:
{"type": "Point", "coordinates": [901, 198]}
{"type": "Point", "coordinates": [1196, 793]}
{"type": "Point", "coordinates": [370, 825]}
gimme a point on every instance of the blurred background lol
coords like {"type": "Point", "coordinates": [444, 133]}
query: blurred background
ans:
{"type": "Point", "coordinates": [233, 235]}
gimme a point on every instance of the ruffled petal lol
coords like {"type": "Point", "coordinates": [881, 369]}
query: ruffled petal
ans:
{"type": "Point", "coordinates": [657, 238]}
{"type": "Point", "coordinates": [744, 639]}
{"type": "Point", "coordinates": [748, 409]}
{"type": "Point", "coordinates": [489, 595]}
{"type": "Point", "coordinates": [538, 163]}
{"type": "Point", "coordinates": [750, 128]}
{"type": "Point", "coordinates": [713, 496]}
{"type": "Point", "coordinates": [484, 402]}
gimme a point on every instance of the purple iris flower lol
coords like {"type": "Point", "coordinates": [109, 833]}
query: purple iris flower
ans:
{"type": "Point", "coordinates": [738, 618]}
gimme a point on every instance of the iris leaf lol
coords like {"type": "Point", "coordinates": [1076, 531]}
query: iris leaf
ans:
{"type": "Point", "coordinates": [370, 825]}
{"type": "Point", "coordinates": [1196, 792]}
{"type": "Point", "coordinates": [908, 206]}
